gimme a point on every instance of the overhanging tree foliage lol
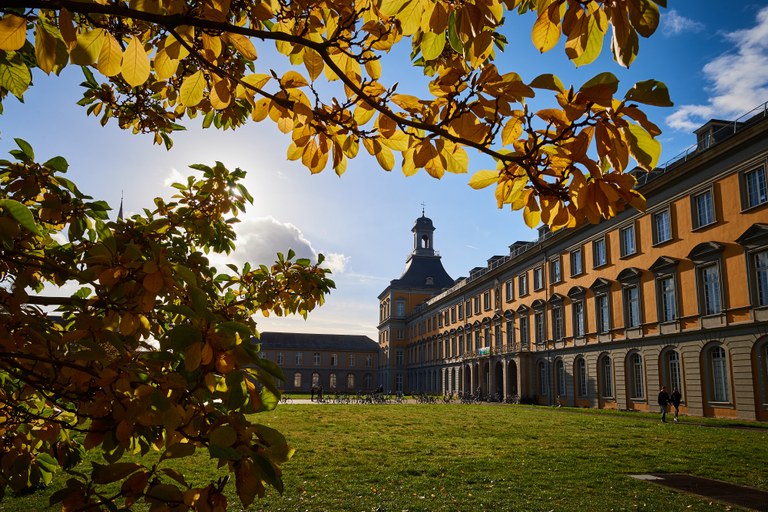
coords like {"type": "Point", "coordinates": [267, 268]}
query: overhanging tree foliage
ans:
{"type": "Point", "coordinates": [89, 377]}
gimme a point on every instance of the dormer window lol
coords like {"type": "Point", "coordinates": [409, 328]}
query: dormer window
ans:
{"type": "Point", "coordinates": [430, 281]}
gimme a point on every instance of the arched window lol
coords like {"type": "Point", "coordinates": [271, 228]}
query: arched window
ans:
{"type": "Point", "coordinates": [581, 377]}
{"type": "Point", "coordinates": [636, 374]}
{"type": "Point", "coordinates": [350, 381]}
{"type": "Point", "coordinates": [332, 381]}
{"type": "Point", "coordinates": [297, 380]}
{"type": "Point", "coordinates": [560, 375]}
{"type": "Point", "coordinates": [315, 379]}
{"type": "Point", "coordinates": [606, 377]}
{"type": "Point", "coordinates": [719, 375]}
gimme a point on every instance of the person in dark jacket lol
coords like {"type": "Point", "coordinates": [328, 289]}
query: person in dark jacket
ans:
{"type": "Point", "coordinates": [663, 402]}
{"type": "Point", "coordinates": [675, 399]}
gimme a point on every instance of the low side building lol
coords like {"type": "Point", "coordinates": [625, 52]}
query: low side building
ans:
{"type": "Point", "coordinates": [337, 362]}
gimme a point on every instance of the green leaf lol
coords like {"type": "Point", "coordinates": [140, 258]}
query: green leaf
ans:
{"type": "Point", "coordinates": [432, 45]}
{"type": "Point", "coordinates": [14, 75]}
{"type": "Point", "coordinates": [548, 81]}
{"type": "Point", "coordinates": [113, 472]}
{"type": "Point", "coordinates": [57, 163]}
{"type": "Point", "coordinates": [224, 452]}
{"type": "Point", "coordinates": [650, 92]}
{"type": "Point", "coordinates": [26, 148]}
{"type": "Point", "coordinates": [453, 35]}
{"type": "Point", "coordinates": [21, 214]}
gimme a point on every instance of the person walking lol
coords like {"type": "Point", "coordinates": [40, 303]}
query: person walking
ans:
{"type": "Point", "coordinates": [663, 402]}
{"type": "Point", "coordinates": [675, 399]}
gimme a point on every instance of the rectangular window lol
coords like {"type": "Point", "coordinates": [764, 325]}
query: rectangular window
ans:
{"type": "Point", "coordinates": [477, 304]}
{"type": "Point", "coordinates": [719, 375]}
{"type": "Point", "coordinates": [632, 306]}
{"type": "Point", "coordinates": [557, 321]}
{"type": "Point", "coordinates": [524, 336]}
{"type": "Point", "coordinates": [555, 270]}
{"type": "Point", "coordinates": [577, 262]}
{"type": "Point", "coordinates": [522, 284]}
{"type": "Point", "coordinates": [538, 322]}
{"type": "Point", "coordinates": [599, 253]}
{"type": "Point", "coordinates": [316, 359]}
{"type": "Point", "coordinates": [399, 358]}
{"type": "Point", "coordinates": [299, 358]}
{"type": "Point", "coordinates": [509, 289]}
{"type": "Point", "coordinates": [453, 315]}
{"type": "Point", "coordinates": [400, 308]}
{"type": "Point", "coordinates": [460, 307]}
{"type": "Point", "coordinates": [627, 241]}
{"type": "Point", "coordinates": [662, 227]}
{"type": "Point", "coordinates": [603, 313]}
{"type": "Point", "coordinates": [334, 360]}
{"type": "Point", "coordinates": [761, 268]}
{"type": "Point", "coordinates": [369, 361]}
{"type": "Point", "coordinates": [755, 189]}
{"type": "Point", "coordinates": [510, 333]}
{"type": "Point", "coordinates": [468, 308]}
{"type": "Point", "coordinates": [578, 318]}
{"type": "Point", "coordinates": [710, 282]}
{"type": "Point", "coordinates": [351, 360]}
{"type": "Point", "coordinates": [280, 358]}
{"type": "Point", "coordinates": [703, 206]}
{"type": "Point", "coordinates": [538, 278]}
{"type": "Point", "coordinates": [638, 390]}
{"type": "Point", "coordinates": [486, 301]}
{"type": "Point", "coordinates": [667, 298]}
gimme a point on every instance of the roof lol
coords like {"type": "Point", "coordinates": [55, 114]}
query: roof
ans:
{"type": "Point", "coordinates": [419, 269]}
{"type": "Point", "coordinates": [308, 341]}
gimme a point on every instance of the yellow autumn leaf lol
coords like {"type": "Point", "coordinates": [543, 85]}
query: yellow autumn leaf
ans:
{"type": "Point", "coordinates": [293, 79]}
{"type": "Point", "coordinates": [135, 69]}
{"type": "Point", "coordinates": [314, 63]}
{"type": "Point", "coordinates": [165, 66]}
{"type": "Point", "coordinates": [110, 56]}
{"type": "Point", "coordinates": [410, 16]}
{"type": "Point", "coordinates": [221, 94]}
{"type": "Point", "coordinates": [643, 147]}
{"type": "Point", "coordinates": [385, 157]}
{"type": "Point", "coordinates": [192, 90]}
{"type": "Point", "coordinates": [482, 179]}
{"type": "Point", "coordinates": [546, 29]}
{"type": "Point", "coordinates": [407, 102]}
{"type": "Point", "coordinates": [50, 51]}
{"type": "Point", "coordinates": [243, 45]}
{"type": "Point", "coordinates": [532, 212]}
{"type": "Point", "coordinates": [88, 47]}
{"type": "Point", "coordinates": [373, 68]}
{"type": "Point", "coordinates": [13, 32]}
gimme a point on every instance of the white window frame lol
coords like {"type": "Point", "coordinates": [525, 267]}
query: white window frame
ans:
{"type": "Point", "coordinates": [636, 376]}
{"type": "Point", "coordinates": [599, 256]}
{"type": "Point", "coordinates": [754, 190]}
{"type": "Point", "coordinates": [718, 361]}
{"type": "Point", "coordinates": [606, 376]}
{"type": "Point", "coordinates": [538, 278]}
{"type": "Point", "coordinates": [577, 255]}
{"type": "Point", "coordinates": [582, 381]}
{"type": "Point", "coordinates": [703, 211]}
{"type": "Point", "coordinates": [555, 270]}
{"type": "Point", "coordinates": [627, 240]}
{"type": "Point", "coordinates": [661, 226]}
{"type": "Point", "coordinates": [522, 283]}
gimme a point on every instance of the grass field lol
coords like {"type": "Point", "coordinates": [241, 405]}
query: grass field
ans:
{"type": "Point", "coordinates": [499, 458]}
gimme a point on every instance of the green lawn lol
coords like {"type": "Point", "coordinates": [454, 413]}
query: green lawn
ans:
{"type": "Point", "coordinates": [500, 458]}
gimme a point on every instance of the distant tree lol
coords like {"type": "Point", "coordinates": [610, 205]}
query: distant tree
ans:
{"type": "Point", "coordinates": [150, 350]}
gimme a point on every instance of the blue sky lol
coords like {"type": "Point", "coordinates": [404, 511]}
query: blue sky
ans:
{"type": "Point", "coordinates": [713, 56]}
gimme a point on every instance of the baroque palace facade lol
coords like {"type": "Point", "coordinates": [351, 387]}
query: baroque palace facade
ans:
{"type": "Point", "coordinates": [604, 315]}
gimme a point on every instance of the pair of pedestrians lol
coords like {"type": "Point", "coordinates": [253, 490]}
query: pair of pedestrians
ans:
{"type": "Point", "coordinates": [665, 399]}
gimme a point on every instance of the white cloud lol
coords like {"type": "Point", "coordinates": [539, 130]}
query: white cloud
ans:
{"type": "Point", "coordinates": [259, 240]}
{"type": "Point", "coordinates": [174, 177]}
{"type": "Point", "coordinates": [738, 80]}
{"type": "Point", "coordinates": [673, 24]}
{"type": "Point", "coordinates": [336, 262]}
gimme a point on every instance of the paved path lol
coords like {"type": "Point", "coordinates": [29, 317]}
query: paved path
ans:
{"type": "Point", "coordinates": [747, 497]}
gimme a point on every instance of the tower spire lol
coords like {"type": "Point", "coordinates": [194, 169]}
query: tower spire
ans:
{"type": "Point", "coordinates": [120, 211]}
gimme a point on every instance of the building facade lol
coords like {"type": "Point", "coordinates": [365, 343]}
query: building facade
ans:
{"type": "Point", "coordinates": [337, 362]}
{"type": "Point", "coordinates": [604, 315]}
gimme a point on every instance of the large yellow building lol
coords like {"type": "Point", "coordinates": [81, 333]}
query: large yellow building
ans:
{"type": "Point", "coordinates": [604, 315]}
